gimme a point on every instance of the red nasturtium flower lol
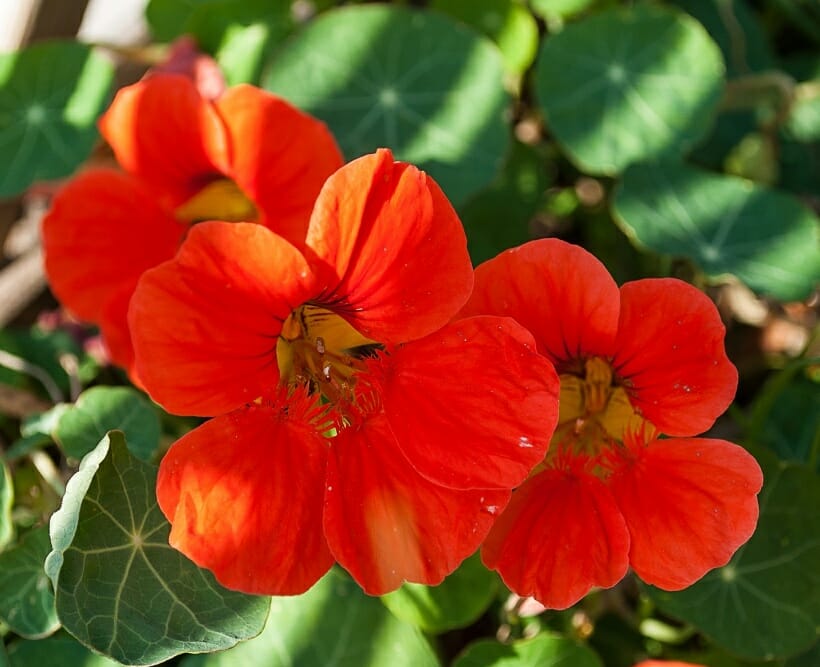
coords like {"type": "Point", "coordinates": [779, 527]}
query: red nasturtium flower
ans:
{"type": "Point", "coordinates": [633, 362]}
{"type": "Point", "coordinates": [352, 420]}
{"type": "Point", "coordinates": [246, 156]}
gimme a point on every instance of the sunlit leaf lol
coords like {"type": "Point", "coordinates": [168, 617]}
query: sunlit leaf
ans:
{"type": "Point", "coordinates": [334, 623]}
{"type": "Point", "coordinates": [765, 603]}
{"type": "Point", "coordinates": [120, 588]}
{"type": "Point", "coordinates": [458, 601]}
{"type": "Point", "coordinates": [6, 501]}
{"type": "Point", "coordinates": [768, 239]}
{"type": "Point", "coordinates": [507, 22]}
{"type": "Point", "coordinates": [26, 598]}
{"type": "Point", "coordinates": [102, 409]}
{"type": "Point", "coordinates": [543, 651]}
{"type": "Point", "coordinates": [560, 8]}
{"type": "Point", "coordinates": [50, 97]}
{"type": "Point", "coordinates": [626, 85]}
{"type": "Point", "coordinates": [240, 33]}
{"type": "Point", "coordinates": [413, 81]}
{"type": "Point", "coordinates": [57, 651]}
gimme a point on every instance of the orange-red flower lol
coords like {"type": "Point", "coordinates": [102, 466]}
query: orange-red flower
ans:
{"type": "Point", "coordinates": [246, 156]}
{"type": "Point", "coordinates": [634, 362]}
{"type": "Point", "coordinates": [353, 421]}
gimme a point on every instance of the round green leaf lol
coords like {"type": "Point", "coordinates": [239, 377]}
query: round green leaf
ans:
{"type": "Point", "coordinates": [6, 501]}
{"type": "Point", "coordinates": [542, 651]}
{"type": "Point", "coordinates": [506, 22]}
{"type": "Point", "coordinates": [57, 651]}
{"type": "Point", "coordinates": [26, 598]}
{"type": "Point", "coordinates": [120, 588]}
{"type": "Point", "coordinates": [458, 601]}
{"type": "Point", "coordinates": [413, 81]}
{"type": "Point", "coordinates": [766, 602]}
{"type": "Point", "coordinates": [50, 97]}
{"type": "Point", "coordinates": [334, 623]}
{"type": "Point", "coordinates": [102, 409]}
{"type": "Point", "coordinates": [726, 225]}
{"type": "Point", "coordinates": [627, 85]}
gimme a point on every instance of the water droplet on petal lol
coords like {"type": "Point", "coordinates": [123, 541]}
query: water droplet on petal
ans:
{"type": "Point", "coordinates": [524, 442]}
{"type": "Point", "coordinates": [491, 509]}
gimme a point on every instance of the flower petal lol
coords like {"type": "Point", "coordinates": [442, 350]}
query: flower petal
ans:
{"type": "Point", "coordinates": [280, 157]}
{"type": "Point", "coordinates": [472, 405]}
{"type": "Point", "coordinates": [689, 504]}
{"type": "Point", "coordinates": [670, 349]}
{"type": "Point", "coordinates": [386, 524]}
{"type": "Point", "coordinates": [560, 535]}
{"type": "Point", "coordinates": [243, 495]}
{"type": "Point", "coordinates": [102, 232]}
{"type": "Point", "coordinates": [391, 250]}
{"type": "Point", "coordinates": [205, 324]}
{"type": "Point", "coordinates": [165, 133]}
{"type": "Point", "coordinates": [558, 291]}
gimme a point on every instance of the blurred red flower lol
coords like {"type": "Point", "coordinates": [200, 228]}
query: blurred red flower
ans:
{"type": "Point", "coordinates": [633, 362]}
{"type": "Point", "coordinates": [353, 421]}
{"type": "Point", "coordinates": [666, 663]}
{"type": "Point", "coordinates": [245, 156]}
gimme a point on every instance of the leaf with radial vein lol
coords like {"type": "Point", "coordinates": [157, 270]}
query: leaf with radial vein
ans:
{"type": "Point", "coordinates": [765, 603]}
{"type": "Point", "coordinates": [334, 623]}
{"type": "Point", "coordinates": [6, 500]}
{"type": "Point", "coordinates": [542, 651]}
{"type": "Point", "coordinates": [627, 85]}
{"type": "Point", "coordinates": [26, 598]}
{"type": "Point", "coordinates": [50, 96]}
{"type": "Point", "coordinates": [416, 82]}
{"type": "Point", "coordinates": [726, 225]}
{"type": "Point", "coordinates": [120, 588]}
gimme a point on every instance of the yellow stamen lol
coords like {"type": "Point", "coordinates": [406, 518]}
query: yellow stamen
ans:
{"type": "Point", "coordinates": [220, 200]}
{"type": "Point", "coordinates": [319, 348]}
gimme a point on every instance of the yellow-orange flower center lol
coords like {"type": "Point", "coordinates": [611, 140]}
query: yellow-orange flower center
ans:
{"type": "Point", "coordinates": [322, 350]}
{"type": "Point", "coordinates": [594, 410]}
{"type": "Point", "coordinates": [219, 200]}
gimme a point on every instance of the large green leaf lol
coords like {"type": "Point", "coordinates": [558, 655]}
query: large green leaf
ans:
{"type": "Point", "coordinates": [458, 601]}
{"type": "Point", "coordinates": [766, 602]}
{"type": "Point", "coordinates": [627, 85]}
{"type": "Point", "coordinates": [6, 501]}
{"type": "Point", "coordinates": [102, 409]}
{"type": "Point", "coordinates": [26, 598]}
{"type": "Point", "coordinates": [121, 589]}
{"type": "Point", "coordinates": [50, 97]}
{"type": "Point", "coordinates": [57, 651]}
{"type": "Point", "coordinates": [415, 82]}
{"type": "Point", "coordinates": [726, 225]}
{"type": "Point", "coordinates": [542, 651]}
{"type": "Point", "coordinates": [334, 623]}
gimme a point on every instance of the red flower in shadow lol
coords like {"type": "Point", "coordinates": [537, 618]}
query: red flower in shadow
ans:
{"type": "Point", "coordinates": [245, 156]}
